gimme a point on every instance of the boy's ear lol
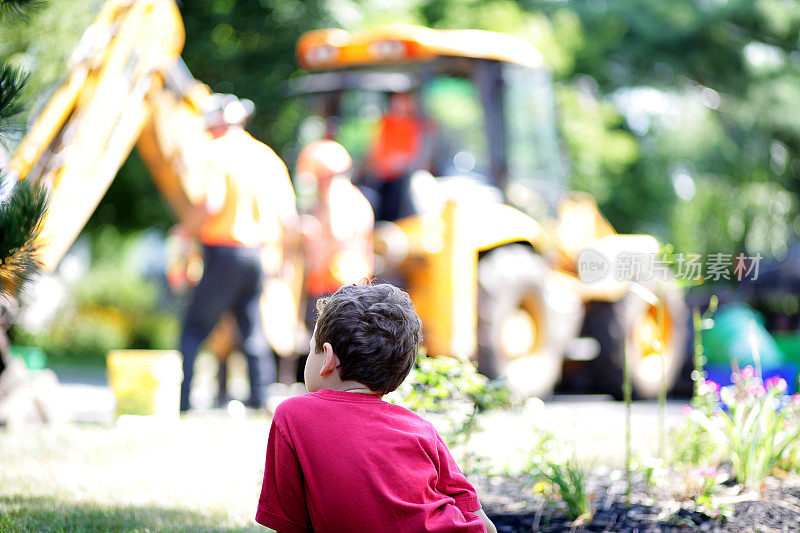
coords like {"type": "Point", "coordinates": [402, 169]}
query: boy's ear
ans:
{"type": "Point", "coordinates": [329, 360]}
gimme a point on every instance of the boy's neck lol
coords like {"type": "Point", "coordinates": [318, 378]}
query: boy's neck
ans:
{"type": "Point", "coordinates": [351, 386]}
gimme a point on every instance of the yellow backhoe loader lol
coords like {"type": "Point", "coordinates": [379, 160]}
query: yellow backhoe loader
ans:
{"type": "Point", "coordinates": [491, 255]}
{"type": "Point", "coordinates": [491, 251]}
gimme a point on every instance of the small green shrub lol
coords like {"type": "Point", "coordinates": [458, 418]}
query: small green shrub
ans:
{"type": "Point", "coordinates": [111, 307]}
{"type": "Point", "coordinates": [691, 446]}
{"type": "Point", "coordinates": [446, 385]}
{"type": "Point", "coordinates": [702, 484]}
{"type": "Point", "coordinates": [82, 333]}
{"type": "Point", "coordinates": [652, 469]}
{"type": "Point", "coordinates": [567, 479]}
{"type": "Point", "coordinates": [557, 473]}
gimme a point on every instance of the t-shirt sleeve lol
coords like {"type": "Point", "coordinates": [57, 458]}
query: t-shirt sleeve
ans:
{"type": "Point", "coordinates": [282, 504]}
{"type": "Point", "coordinates": [453, 483]}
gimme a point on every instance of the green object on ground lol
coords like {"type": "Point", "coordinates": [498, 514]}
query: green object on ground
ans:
{"type": "Point", "coordinates": [35, 358]}
{"type": "Point", "coordinates": [730, 339]}
{"type": "Point", "coordinates": [789, 344]}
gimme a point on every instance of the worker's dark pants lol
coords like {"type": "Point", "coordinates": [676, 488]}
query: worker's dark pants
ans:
{"type": "Point", "coordinates": [390, 200]}
{"type": "Point", "coordinates": [232, 280]}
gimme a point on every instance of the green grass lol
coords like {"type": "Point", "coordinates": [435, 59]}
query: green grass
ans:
{"type": "Point", "coordinates": [202, 473]}
{"type": "Point", "coordinates": [44, 514]}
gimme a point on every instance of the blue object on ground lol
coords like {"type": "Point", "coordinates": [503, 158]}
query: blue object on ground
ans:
{"type": "Point", "coordinates": [721, 374]}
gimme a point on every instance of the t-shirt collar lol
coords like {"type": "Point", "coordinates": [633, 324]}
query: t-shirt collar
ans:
{"type": "Point", "coordinates": [347, 396]}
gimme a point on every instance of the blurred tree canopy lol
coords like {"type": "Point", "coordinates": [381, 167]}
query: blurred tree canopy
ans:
{"type": "Point", "coordinates": [678, 116]}
{"type": "Point", "coordinates": [682, 117]}
{"type": "Point", "coordinates": [710, 90]}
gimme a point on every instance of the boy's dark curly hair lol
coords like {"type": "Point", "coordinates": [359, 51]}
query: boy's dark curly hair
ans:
{"type": "Point", "coordinates": [375, 332]}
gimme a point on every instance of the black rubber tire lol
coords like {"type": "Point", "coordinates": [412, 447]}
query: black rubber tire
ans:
{"type": "Point", "coordinates": [611, 322]}
{"type": "Point", "coordinates": [509, 279]}
{"type": "Point", "coordinates": [602, 322]}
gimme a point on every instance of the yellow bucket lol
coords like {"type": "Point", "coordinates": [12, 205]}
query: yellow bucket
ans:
{"type": "Point", "coordinates": [145, 382]}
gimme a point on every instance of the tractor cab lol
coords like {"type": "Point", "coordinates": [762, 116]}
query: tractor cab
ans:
{"type": "Point", "coordinates": [480, 108]}
{"type": "Point", "coordinates": [455, 132]}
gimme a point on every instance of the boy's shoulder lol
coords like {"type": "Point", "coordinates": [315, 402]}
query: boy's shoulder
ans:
{"type": "Point", "coordinates": [322, 403]}
{"type": "Point", "coordinates": [292, 405]}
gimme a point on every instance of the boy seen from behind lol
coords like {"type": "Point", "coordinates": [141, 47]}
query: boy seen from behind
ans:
{"type": "Point", "coordinates": [340, 459]}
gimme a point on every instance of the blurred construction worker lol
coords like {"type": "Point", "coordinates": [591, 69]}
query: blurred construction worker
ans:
{"type": "Point", "coordinates": [240, 222]}
{"type": "Point", "coordinates": [400, 148]}
{"type": "Point", "coordinates": [337, 226]}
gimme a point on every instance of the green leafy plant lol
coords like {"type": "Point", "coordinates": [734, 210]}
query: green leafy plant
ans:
{"type": "Point", "coordinates": [702, 484]}
{"type": "Point", "coordinates": [754, 425]}
{"type": "Point", "coordinates": [22, 205]}
{"type": "Point", "coordinates": [446, 385]}
{"type": "Point", "coordinates": [111, 307]}
{"type": "Point", "coordinates": [652, 469]}
{"type": "Point", "coordinates": [567, 480]}
{"type": "Point", "coordinates": [557, 473]}
{"type": "Point", "coordinates": [690, 445]}
{"type": "Point", "coordinates": [700, 323]}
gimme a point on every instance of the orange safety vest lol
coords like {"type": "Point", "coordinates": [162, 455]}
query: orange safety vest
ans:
{"type": "Point", "coordinates": [248, 194]}
{"type": "Point", "coordinates": [341, 252]}
{"type": "Point", "coordinates": [398, 145]}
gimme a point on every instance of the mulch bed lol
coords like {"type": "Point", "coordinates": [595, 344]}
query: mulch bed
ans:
{"type": "Point", "coordinates": [514, 507]}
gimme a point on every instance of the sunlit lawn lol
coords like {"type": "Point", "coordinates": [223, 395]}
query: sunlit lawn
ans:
{"type": "Point", "coordinates": [202, 473]}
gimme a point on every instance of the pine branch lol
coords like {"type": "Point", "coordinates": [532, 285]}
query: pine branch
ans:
{"type": "Point", "coordinates": [12, 83]}
{"type": "Point", "coordinates": [20, 222]}
{"type": "Point", "coordinates": [18, 9]}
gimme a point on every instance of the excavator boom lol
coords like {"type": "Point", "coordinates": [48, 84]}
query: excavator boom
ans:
{"type": "Point", "coordinates": [117, 79]}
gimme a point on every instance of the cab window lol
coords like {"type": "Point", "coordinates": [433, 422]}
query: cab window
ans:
{"type": "Point", "coordinates": [535, 174]}
{"type": "Point", "coordinates": [453, 106]}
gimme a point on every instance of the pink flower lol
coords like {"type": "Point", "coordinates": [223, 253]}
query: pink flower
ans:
{"type": "Point", "coordinates": [748, 372]}
{"type": "Point", "coordinates": [687, 410]}
{"type": "Point", "coordinates": [776, 382]}
{"type": "Point", "coordinates": [704, 471]}
{"type": "Point", "coordinates": [755, 390]}
{"type": "Point", "coordinates": [796, 399]}
{"type": "Point", "coordinates": [712, 387]}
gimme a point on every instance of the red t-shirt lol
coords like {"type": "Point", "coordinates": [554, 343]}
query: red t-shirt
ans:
{"type": "Point", "coordinates": [348, 462]}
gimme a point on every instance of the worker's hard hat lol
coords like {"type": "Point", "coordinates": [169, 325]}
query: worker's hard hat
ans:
{"type": "Point", "coordinates": [226, 109]}
{"type": "Point", "coordinates": [324, 159]}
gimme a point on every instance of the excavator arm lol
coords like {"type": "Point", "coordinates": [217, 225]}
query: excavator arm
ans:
{"type": "Point", "coordinates": [126, 85]}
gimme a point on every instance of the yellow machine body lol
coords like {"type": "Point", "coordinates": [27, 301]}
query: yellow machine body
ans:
{"type": "Point", "coordinates": [438, 253]}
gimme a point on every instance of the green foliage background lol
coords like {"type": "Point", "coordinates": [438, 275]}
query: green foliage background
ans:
{"type": "Point", "coordinates": [655, 97]}
{"type": "Point", "coordinates": [112, 306]}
